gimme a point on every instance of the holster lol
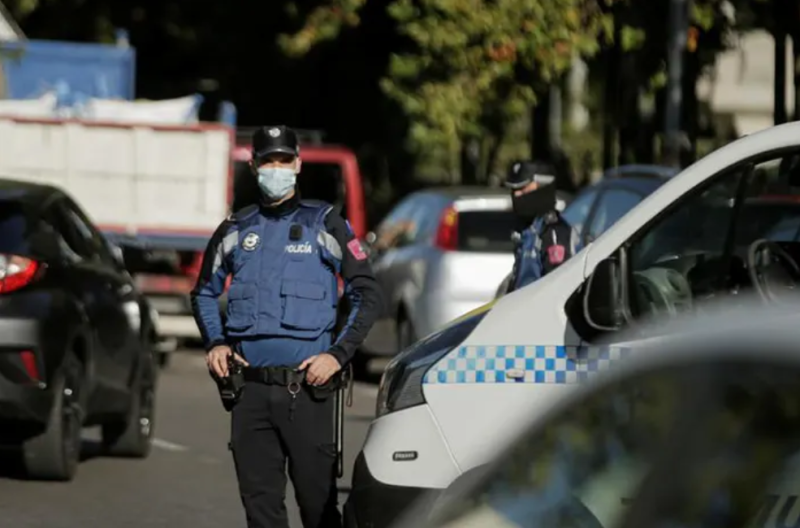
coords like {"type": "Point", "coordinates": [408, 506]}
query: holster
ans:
{"type": "Point", "coordinates": [230, 387]}
{"type": "Point", "coordinates": [337, 382]}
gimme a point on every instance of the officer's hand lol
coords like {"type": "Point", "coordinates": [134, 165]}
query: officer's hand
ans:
{"type": "Point", "coordinates": [217, 360]}
{"type": "Point", "coordinates": [320, 368]}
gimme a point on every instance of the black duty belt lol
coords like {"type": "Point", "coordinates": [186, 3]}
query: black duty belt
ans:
{"type": "Point", "coordinates": [273, 375]}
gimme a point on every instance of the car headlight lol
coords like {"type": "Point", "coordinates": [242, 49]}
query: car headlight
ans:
{"type": "Point", "coordinates": [401, 383]}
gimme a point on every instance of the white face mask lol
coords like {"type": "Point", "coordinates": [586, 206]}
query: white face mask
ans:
{"type": "Point", "coordinates": [276, 182]}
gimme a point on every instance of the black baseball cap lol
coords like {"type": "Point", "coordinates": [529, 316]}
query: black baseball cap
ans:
{"type": "Point", "coordinates": [271, 139]}
{"type": "Point", "coordinates": [521, 173]}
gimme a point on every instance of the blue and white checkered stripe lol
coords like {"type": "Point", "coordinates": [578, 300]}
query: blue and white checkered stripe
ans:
{"type": "Point", "coordinates": [523, 364]}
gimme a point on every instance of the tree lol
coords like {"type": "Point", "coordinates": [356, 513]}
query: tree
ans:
{"type": "Point", "coordinates": [473, 66]}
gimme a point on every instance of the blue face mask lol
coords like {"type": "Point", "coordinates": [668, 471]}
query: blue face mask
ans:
{"type": "Point", "coordinates": [276, 183]}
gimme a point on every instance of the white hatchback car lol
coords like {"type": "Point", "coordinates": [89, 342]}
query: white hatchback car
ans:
{"type": "Point", "coordinates": [438, 254]}
{"type": "Point", "coordinates": [449, 402]}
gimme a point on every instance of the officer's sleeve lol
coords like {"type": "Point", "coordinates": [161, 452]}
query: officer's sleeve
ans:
{"type": "Point", "coordinates": [211, 284]}
{"type": "Point", "coordinates": [360, 287]}
{"type": "Point", "coordinates": [512, 279]}
{"type": "Point", "coordinates": [559, 244]}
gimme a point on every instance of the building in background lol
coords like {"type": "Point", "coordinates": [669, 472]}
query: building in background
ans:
{"type": "Point", "coordinates": [9, 32]}
{"type": "Point", "coordinates": [739, 89]}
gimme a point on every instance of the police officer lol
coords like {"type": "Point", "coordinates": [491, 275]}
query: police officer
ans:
{"type": "Point", "coordinates": [544, 239]}
{"type": "Point", "coordinates": [283, 255]}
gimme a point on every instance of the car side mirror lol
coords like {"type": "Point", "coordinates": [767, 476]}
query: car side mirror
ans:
{"type": "Point", "coordinates": [604, 296]}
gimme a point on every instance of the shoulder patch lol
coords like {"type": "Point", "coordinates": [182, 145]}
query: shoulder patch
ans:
{"type": "Point", "coordinates": [556, 254]}
{"type": "Point", "coordinates": [354, 246]}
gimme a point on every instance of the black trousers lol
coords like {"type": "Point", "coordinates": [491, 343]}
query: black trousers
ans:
{"type": "Point", "coordinates": [266, 432]}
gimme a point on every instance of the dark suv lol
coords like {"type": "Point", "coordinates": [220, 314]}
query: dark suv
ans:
{"type": "Point", "coordinates": [75, 336]}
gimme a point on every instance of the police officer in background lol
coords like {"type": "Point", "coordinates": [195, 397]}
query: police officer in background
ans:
{"type": "Point", "coordinates": [283, 255]}
{"type": "Point", "coordinates": [544, 239]}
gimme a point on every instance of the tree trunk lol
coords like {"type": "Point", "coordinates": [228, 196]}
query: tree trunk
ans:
{"type": "Point", "coordinates": [540, 128]}
{"type": "Point", "coordinates": [470, 161]}
{"type": "Point", "coordinates": [779, 32]}
{"type": "Point", "coordinates": [690, 108]}
{"type": "Point", "coordinates": [492, 155]}
{"type": "Point", "coordinates": [630, 126]}
{"type": "Point", "coordinates": [611, 106]}
{"type": "Point", "coordinates": [796, 71]}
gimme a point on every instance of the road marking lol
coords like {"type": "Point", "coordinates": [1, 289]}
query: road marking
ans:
{"type": "Point", "coordinates": [168, 446]}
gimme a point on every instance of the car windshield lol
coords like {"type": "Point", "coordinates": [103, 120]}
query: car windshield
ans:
{"type": "Point", "coordinates": [485, 231]}
{"type": "Point", "coordinates": [583, 464]}
{"type": "Point", "coordinates": [761, 217]}
{"type": "Point", "coordinates": [739, 440]}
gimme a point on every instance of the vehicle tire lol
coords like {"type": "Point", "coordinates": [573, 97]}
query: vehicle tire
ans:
{"type": "Point", "coordinates": [405, 333]}
{"type": "Point", "coordinates": [55, 453]}
{"type": "Point", "coordinates": [132, 435]}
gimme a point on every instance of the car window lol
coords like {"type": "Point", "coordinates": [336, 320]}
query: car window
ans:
{"type": "Point", "coordinates": [578, 210]}
{"type": "Point", "coordinates": [397, 228]}
{"type": "Point", "coordinates": [487, 231]}
{"type": "Point", "coordinates": [14, 228]}
{"type": "Point", "coordinates": [687, 254]}
{"type": "Point", "coordinates": [786, 230]}
{"type": "Point", "coordinates": [95, 243]}
{"type": "Point", "coordinates": [678, 258]}
{"type": "Point", "coordinates": [612, 205]}
{"type": "Point", "coordinates": [582, 466]}
{"type": "Point", "coordinates": [424, 218]}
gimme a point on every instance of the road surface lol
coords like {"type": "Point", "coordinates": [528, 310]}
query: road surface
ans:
{"type": "Point", "coordinates": [188, 480]}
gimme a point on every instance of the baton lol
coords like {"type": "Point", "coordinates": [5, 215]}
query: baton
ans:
{"type": "Point", "coordinates": [339, 417]}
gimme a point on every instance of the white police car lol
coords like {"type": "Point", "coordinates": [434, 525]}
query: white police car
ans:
{"type": "Point", "coordinates": [699, 430]}
{"type": "Point", "coordinates": [449, 402]}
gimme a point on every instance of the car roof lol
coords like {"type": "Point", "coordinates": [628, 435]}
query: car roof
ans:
{"type": "Point", "coordinates": [641, 185]}
{"type": "Point", "coordinates": [640, 170]}
{"type": "Point", "coordinates": [28, 193]}
{"type": "Point", "coordinates": [460, 191]}
{"type": "Point", "coordinates": [642, 179]}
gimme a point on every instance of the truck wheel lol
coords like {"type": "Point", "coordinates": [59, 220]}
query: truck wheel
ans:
{"type": "Point", "coordinates": [54, 454]}
{"type": "Point", "coordinates": [132, 435]}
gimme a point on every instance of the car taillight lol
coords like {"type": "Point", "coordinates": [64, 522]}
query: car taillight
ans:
{"type": "Point", "coordinates": [447, 233]}
{"type": "Point", "coordinates": [16, 272]}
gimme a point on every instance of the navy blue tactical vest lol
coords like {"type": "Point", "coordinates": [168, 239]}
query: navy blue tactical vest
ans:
{"type": "Point", "coordinates": [528, 255]}
{"type": "Point", "coordinates": [529, 250]}
{"type": "Point", "coordinates": [284, 282]}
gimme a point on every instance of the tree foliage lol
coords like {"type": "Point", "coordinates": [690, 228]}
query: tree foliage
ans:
{"type": "Point", "coordinates": [473, 66]}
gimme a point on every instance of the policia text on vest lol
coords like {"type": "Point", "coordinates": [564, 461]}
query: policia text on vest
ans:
{"type": "Point", "coordinates": [284, 256]}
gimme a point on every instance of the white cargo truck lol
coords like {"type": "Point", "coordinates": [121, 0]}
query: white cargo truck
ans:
{"type": "Point", "coordinates": [161, 189]}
